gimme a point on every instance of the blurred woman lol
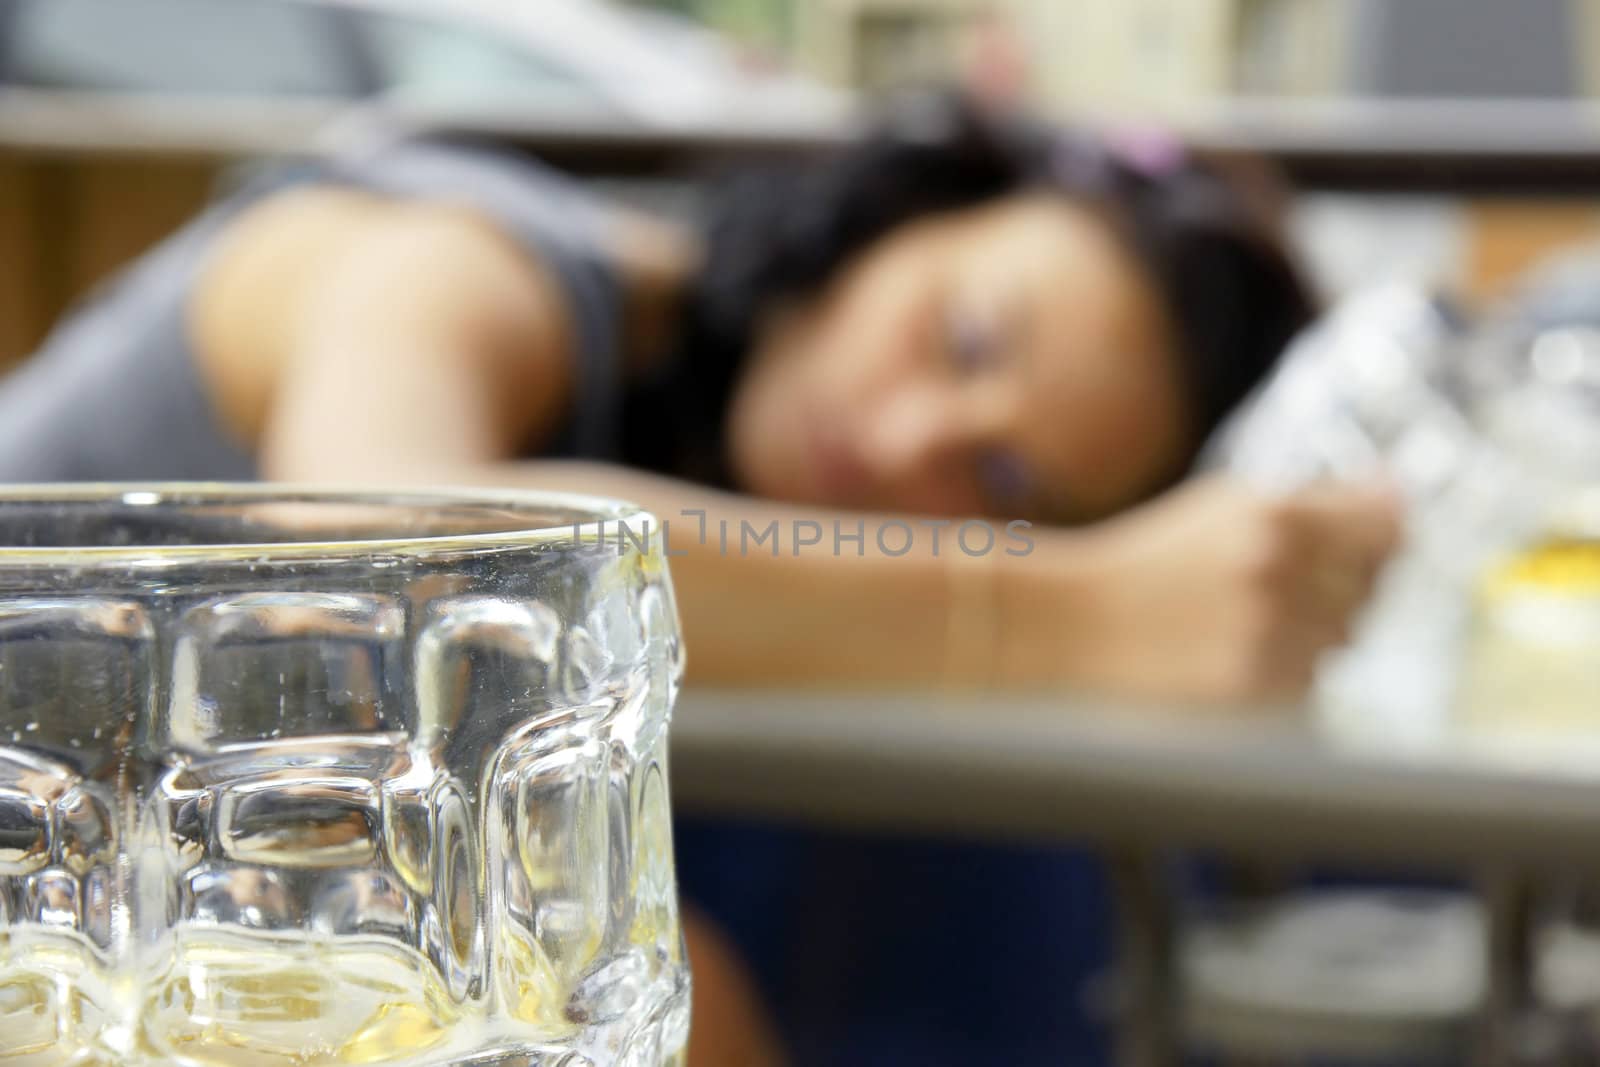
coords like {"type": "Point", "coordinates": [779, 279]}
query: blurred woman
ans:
{"type": "Point", "coordinates": [960, 314]}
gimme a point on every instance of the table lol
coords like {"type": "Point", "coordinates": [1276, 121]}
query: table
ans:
{"type": "Point", "coordinates": [1251, 782]}
{"type": "Point", "coordinates": [1081, 769]}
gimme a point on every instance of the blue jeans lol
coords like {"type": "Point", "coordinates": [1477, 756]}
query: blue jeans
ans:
{"type": "Point", "coordinates": [882, 951]}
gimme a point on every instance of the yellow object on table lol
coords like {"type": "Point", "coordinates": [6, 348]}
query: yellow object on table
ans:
{"type": "Point", "coordinates": [1532, 659]}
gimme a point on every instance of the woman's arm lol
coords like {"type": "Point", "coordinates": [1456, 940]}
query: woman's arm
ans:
{"type": "Point", "coordinates": [1213, 593]}
{"type": "Point", "coordinates": [784, 595]}
{"type": "Point", "coordinates": [343, 334]}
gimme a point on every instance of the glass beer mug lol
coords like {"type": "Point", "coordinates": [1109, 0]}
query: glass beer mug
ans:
{"type": "Point", "coordinates": [303, 778]}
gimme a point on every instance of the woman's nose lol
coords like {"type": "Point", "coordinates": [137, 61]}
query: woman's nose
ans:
{"type": "Point", "coordinates": [913, 429]}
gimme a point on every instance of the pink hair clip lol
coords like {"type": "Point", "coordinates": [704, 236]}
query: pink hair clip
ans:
{"type": "Point", "coordinates": [1147, 150]}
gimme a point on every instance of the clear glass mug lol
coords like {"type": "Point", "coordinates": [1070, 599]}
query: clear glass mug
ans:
{"type": "Point", "coordinates": [325, 778]}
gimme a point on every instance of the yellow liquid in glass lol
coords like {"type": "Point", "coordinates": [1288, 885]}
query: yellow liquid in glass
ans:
{"type": "Point", "coordinates": [244, 999]}
{"type": "Point", "coordinates": [54, 1000]}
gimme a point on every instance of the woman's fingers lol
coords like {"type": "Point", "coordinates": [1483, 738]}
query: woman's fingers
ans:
{"type": "Point", "coordinates": [1219, 591]}
{"type": "Point", "coordinates": [1355, 526]}
{"type": "Point", "coordinates": [1343, 535]}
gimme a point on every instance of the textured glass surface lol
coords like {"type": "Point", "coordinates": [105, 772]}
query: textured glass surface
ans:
{"type": "Point", "coordinates": [298, 779]}
{"type": "Point", "coordinates": [1490, 431]}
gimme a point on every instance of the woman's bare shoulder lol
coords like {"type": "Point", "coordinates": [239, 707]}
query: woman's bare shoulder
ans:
{"type": "Point", "coordinates": [312, 257]}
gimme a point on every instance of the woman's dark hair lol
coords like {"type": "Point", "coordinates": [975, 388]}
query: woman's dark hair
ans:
{"type": "Point", "coordinates": [779, 233]}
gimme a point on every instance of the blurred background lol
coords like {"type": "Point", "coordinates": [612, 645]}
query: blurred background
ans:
{"type": "Point", "coordinates": [116, 118]}
{"type": "Point", "coordinates": [1448, 142]}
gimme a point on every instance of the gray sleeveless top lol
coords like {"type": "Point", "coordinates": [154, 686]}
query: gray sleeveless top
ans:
{"type": "Point", "coordinates": [115, 393]}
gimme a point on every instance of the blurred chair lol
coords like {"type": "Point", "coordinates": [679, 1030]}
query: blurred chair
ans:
{"type": "Point", "coordinates": [1355, 976]}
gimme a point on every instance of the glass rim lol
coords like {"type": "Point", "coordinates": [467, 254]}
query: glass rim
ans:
{"type": "Point", "coordinates": [583, 512]}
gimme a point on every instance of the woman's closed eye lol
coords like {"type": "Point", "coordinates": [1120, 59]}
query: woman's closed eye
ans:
{"type": "Point", "coordinates": [972, 341]}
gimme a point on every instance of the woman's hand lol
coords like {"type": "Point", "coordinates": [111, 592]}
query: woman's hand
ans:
{"type": "Point", "coordinates": [1213, 592]}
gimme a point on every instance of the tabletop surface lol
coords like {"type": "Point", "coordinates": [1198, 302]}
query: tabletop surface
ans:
{"type": "Point", "coordinates": [1081, 769]}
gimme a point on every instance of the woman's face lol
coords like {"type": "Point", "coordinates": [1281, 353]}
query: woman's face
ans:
{"type": "Point", "coordinates": [1011, 359]}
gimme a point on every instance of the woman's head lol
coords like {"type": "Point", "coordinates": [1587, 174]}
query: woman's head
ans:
{"type": "Point", "coordinates": [967, 314]}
